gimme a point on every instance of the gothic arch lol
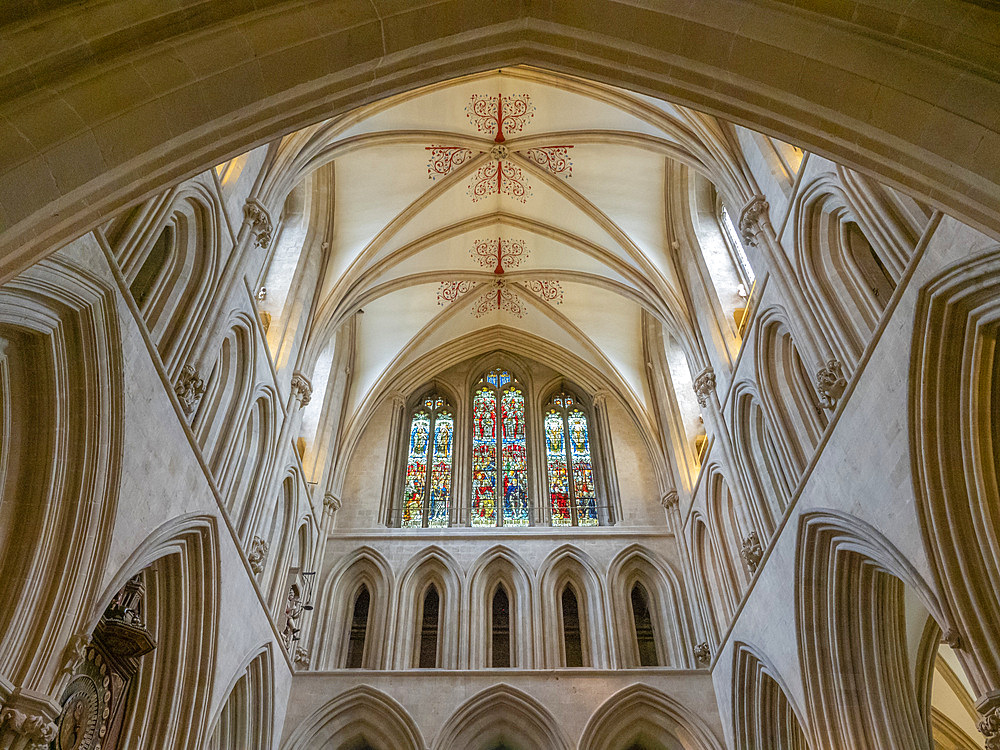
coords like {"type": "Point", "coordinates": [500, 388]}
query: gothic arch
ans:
{"type": "Point", "coordinates": [246, 720]}
{"type": "Point", "coordinates": [501, 565]}
{"type": "Point", "coordinates": [367, 567]}
{"type": "Point", "coordinates": [431, 565]}
{"type": "Point", "coordinates": [568, 565]}
{"type": "Point", "coordinates": [852, 592]}
{"type": "Point", "coordinates": [637, 564]}
{"type": "Point", "coordinates": [182, 575]}
{"type": "Point", "coordinates": [61, 416]}
{"type": "Point", "coordinates": [757, 452]}
{"type": "Point", "coordinates": [244, 478]}
{"type": "Point", "coordinates": [787, 393]}
{"type": "Point", "coordinates": [844, 276]}
{"type": "Point", "coordinates": [169, 251]}
{"type": "Point", "coordinates": [953, 425]}
{"type": "Point", "coordinates": [763, 716]}
{"type": "Point", "coordinates": [710, 579]}
{"type": "Point", "coordinates": [362, 714]}
{"type": "Point", "coordinates": [723, 520]}
{"type": "Point", "coordinates": [227, 394]}
{"type": "Point", "coordinates": [501, 714]}
{"type": "Point", "coordinates": [640, 713]}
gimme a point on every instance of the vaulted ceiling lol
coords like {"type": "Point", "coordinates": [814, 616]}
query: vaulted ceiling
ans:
{"type": "Point", "coordinates": [516, 200]}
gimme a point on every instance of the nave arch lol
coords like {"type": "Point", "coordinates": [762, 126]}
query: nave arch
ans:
{"type": "Point", "coordinates": [360, 715]}
{"type": "Point", "coordinates": [246, 719]}
{"type": "Point", "coordinates": [763, 715]}
{"type": "Point", "coordinates": [955, 465]}
{"type": "Point", "coordinates": [61, 406]}
{"type": "Point", "coordinates": [501, 715]}
{"type": "Point", "coordinates": [641, 714]}
{"type": "Point", "coordinates": [412, 49]}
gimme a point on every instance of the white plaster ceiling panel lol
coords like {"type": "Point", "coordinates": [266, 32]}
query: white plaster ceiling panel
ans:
{"type": "Point", "coordinates": [373, 186]}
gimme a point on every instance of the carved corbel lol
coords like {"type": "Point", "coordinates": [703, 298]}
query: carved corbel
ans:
{"type": "Point", "coordinates": [989, 727]}
{"type": "Point", "coordinates": [752, 219]}
{"type": "Point", "coordinates": [752, 551]}
{"type": "Point", "coordinates": [257, 555]}
{"type": "Point", "coordinates": [831, 383]}
{"type": "Point", "coordinates": [189, 388]}
{"type": "Point", "coordinates": [30, 730]}
{"type": "Point", "coordinates": [670, 500]}
{"type": "Point", "coordinates": [702, 653]}
{"type": "Point", "coordinates": [704, 385]}
{"type": "Point", "coordinates": [331, 504]}
{"type": "Point", "coordinates": [301, 389]}
{"type": "Point", "coordinates": [259, 220]}
{"type": "Point", "coordinates": [301, 657]}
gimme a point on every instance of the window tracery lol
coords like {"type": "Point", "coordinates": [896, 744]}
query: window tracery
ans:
{"type": "Point", "coordinates": [499, 455]}
{"type": "Point", "coordinates": [427, 486]}
{"type": "Point", "coordinates": [569, 466]}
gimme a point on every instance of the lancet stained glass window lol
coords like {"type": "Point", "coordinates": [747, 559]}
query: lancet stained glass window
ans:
{"type": "Point", "coordinates": [569, 468]}
{"type": "Point", "coordinates": [427, 483]}
{"type": "Point", "coordinates": [499, 456]}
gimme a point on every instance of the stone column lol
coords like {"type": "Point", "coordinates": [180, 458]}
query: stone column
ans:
{"type": "Point", "coordinates": [671, 507]}
{"type": "Point", "coordinates": [755, 226]}
{"type": "Point", "coordinates": [255, 233]}
{"type": "Point", "coordinates": [604, 459]}
{"type": "Point", "coordinates": [390, 483]}
{"type": "Point", "coordinates": [708, 399]}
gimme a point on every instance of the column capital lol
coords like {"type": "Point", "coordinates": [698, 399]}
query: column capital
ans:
{"type": "Point", "coordinates": [670, 500]}
{"type": "Point", "coordinates": [259, 220]}
{"type": "Point", "coordinates": [331, 503]}
{"type": "Point", "coordinates": [704, 385]}
{"type": "Point", "coordinates": [301, 388]}
{"type": "Point", "coordinates": [989, 727]}
{"type": "Point", "coordinates": [600, 398]}
{"type": "Point", "coordinates": [753, 217]}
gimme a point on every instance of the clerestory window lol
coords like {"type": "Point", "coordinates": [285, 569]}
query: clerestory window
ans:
{"type": "Point", "coordinates": [428, 465]}
{"type": "Point", "coordinates": [499, 455]}
{"type": "Point", "coordinates": [570, 470]}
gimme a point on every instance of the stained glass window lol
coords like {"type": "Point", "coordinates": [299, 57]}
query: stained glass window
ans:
{"type": "Point", "coordinates": [427, 483]}
{"type": "Point", "coordinates": [569, 467]}
{"type": "Point", "coordinates": [499, 485]}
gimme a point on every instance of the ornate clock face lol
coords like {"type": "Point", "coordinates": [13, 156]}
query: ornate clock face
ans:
{"type": "Point", "coordinates": [81, 716]}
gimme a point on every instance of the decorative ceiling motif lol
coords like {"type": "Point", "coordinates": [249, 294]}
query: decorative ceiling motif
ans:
{"type": "Point", "coordinates": [500, 175]}
{"type": "Point", "coordinates": [502, 255]}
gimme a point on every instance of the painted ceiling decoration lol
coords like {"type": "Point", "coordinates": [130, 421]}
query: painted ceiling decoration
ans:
{"type": "Point", "coordinates": [501, 295]}
{"type": "Point", "coordinates": [500, 175]}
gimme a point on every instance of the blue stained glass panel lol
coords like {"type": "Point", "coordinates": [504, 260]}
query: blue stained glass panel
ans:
{"type": "Point", "coordinates": [444, 436]}
{"type": "Point", "coordinates": [416, 472]}
{"type": "Point", "coordinates": [515, 469]}
{"type": "Point", "coordinates": [484, 458]}
{"type": "Point", "coordinates": [583, 469]}
{"type": "Point", "coordinates": [499, 378]}
{"type": "Point", "coordinates": [558, 473]}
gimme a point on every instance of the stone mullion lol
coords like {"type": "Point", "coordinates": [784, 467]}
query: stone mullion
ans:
{"type": "Point", "coordinates": [605, 464]}
{"type": "Point", "coordinates": [392, 460]}
{"type": "Point", "coordinates": [708, 399]}
{"type": "Point", "coordinates": [671, 506]}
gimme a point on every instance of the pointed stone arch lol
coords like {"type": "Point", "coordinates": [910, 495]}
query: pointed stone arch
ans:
{"type": "Point", "coordinates": [246, 720]}
{"type": "Point", "coordinates": [710, 579]}
{"type": "Point", "coordinates": [953, 425]}
{"type": "Point", "coordinates": [501, 714]}
{"type": "Point", "coordinates": [432, 565]}
{"type": "Point", "coordinates": [640, 713]}
{"type": "Point", "coordinates": [763, 715]}
{"type": "Point", "coordinates": [61, 417]}
{"type": "Point", "coordinates": [365, 566]}
{"type": "Point", "coordinates": [174, 684]}
{"type": "Point", "coordinates": [570, 566]}
{"type": "Point", "coordinates": [501, 565]}
{"type": "Point", "coordinates": [852, 591]}
{"type": "Point", "coordinates": [361, 715]}
{"type": "Point", "coordinates": [637, 564]}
